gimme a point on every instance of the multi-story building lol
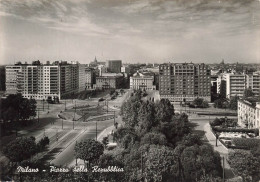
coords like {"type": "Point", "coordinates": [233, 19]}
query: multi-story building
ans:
{"type": "Point", "coordinates": [184, 81]}
{"type": "Point", "coordinates": [125, 69]}
{"type": "Point", "coordinates": [248, 113]}
{"type": "Point", "coordinates": [114, 66]}
{"type": "Point", "coordinates": [109, 82]}
{"type": "Point", "coordinates": [235, 84]}
{"type": "Point", "coordinates": [253, 82]}
{"type": "Point", "coordinates": [230, 84]}
{"type": "Point", "coordinates": [11, 82]}
{"type": "Point", "coordinates": [90, 78]}
{"type": "Point", "coordinates": [141, 81]}
{"type": "Point", "coordinates": [38, 81]}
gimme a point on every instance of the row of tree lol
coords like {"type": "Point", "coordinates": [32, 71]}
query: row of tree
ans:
{"type": "Point", "coordinates": [154, 144]}
{"type": "Point", "coordinates": [15, 108]}
{"type": "Point", "coordinates": [222, 102]}
{"type": "Point", "coordinates": [24, 148]}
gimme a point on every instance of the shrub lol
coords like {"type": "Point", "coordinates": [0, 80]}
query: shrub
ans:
{"type": "Point", "coordinates": [243, 130]}
{"type": "Point", "coordinates": [247, 143]}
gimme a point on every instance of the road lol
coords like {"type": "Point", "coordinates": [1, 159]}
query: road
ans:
{"type": "Point", "coordinates": [62, 141]}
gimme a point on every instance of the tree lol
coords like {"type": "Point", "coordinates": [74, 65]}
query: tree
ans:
{"type": "Point", "coordinates": [233, 102]}
{"type": "Point", "coordinates": [161, 164]}
{"type": "Point", "coordinates": [20, 149]}
{"type": "Point", "coordinates": [105, 141]}
{"type": "Point", "coordinates": [129, 111]}
{"type": "Point", "coordinates": [154, 138]}
{"type": "Point", "coordinates": [245, 164]}
{"type": "Point", "coordinates": [248, 93]}
{"type": "Point", "coordinates": [176, 129]}
{"type": "Point", "coordinates": [15, 108]}
{"type": "Point", "coordinates": [164, 111]}
{"type": "Point", "coordinates": [42, 144]}
{"type": "Point", "coordinates": [199, 160]}
{"type": "Point", "coordinates": [146, 118]}
{"type": "Point", "coordinates": [201, 103]}
{"type": "Point", "coordinates": [105, 161]}
{"type": "Point", "coordinates": [88, 150]}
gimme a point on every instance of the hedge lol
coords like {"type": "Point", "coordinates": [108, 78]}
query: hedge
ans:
{"type": "Point", "coordinates": [248, 143]}
{"type": "Point", "coordinates": [243, 130]}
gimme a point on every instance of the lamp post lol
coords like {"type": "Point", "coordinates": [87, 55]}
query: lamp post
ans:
{"type": "Point", "coordinates": [96, 130]}
{"type": "Point", "coordinates": [43, 104]}
{"type": "Point", "coordinates": [57, 136]}
{"type": "Point", "coordinates": [38, 116]}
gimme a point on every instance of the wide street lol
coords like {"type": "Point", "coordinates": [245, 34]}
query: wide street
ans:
{"type": "Point", "coordinates": [64, 134]}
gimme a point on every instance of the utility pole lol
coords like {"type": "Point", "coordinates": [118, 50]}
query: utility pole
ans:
{"type": "Point", "coordinates": [107, 106]}
{"type": "Point", "coordinates": [74, 111]}
{"type": "Point", "coordinates": [114, 118]}
{"type": "Point", "coordinates": [223, 169]}
{"type": "Point", "coordinates": [38, 116]}
{"type": "Point", "coordinates": [142, 164]}
{"type": "Point", "coordinates": [96, 130]}
{"type": "Point", "coordinates": [57, 136]}
{"type": "Point", "coordinates": [76, 157]}
{"type": "Point", "coordinates": [73, 125]}
{"type": "Point", "coordinates": [65, 106]}
{"type": "Point", "coordinates": [43, 104]}
{"type": "Point", "coordinates": [62, 123]}
{"type": "Point", "coordinates": [216, 139]}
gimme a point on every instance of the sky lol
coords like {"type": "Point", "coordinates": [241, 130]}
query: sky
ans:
{"type": "Point", "coordinates": [135, 31]}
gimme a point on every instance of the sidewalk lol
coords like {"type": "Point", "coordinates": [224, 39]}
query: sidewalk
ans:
{"type": "Point", "coordinates": [221, 149]}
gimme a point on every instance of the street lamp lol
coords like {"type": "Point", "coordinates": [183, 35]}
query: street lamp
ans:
{"type": "Point", "coordinates": [96, 130]}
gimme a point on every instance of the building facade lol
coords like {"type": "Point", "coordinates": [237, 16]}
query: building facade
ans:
{"type": "Point", "coordinates": [114, 66]}
{"type": "Point", "coordinates": [11, 81]}
{"type": "Point", "coordinates": [42, 81]}
{"type": "Point", "coordinates": [184, 81]}
{"type": "Point", "coordinates": [90, 78]}
{"type": "Point", "coordinates": [109, 82]}
{"type": "Point", "coordinates": [230, 84]}
{"type": "Point", "coordinates": [142, 82]}
{"type": "Point", "coordinates": [248, 114]}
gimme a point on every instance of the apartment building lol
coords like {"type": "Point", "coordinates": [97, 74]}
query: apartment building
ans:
{"type": "Point", "coordinates": [90, 78]}
{"type": "Point", "coordinates": [230, 84]}
{"type": "Point", "coordinates": [249, 113]}
{"type": "Point", "coordinates": [109, 81]}
{"type": "Point", "coordinates": [11, 78]}
{"type": "Point", "coordinates": [253, 82]}
{"type": "Point", "coordinates": [42, 81]}
{"type": "Point", "coordinates": [184, 81]}
{"type": "Point", "coordinates": [141, 81]}
{"type": "Point", "coordinates": [114, 66]}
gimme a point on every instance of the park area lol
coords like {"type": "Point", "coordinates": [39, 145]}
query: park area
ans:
{"type": "Point", "coordinates": [232, 136]}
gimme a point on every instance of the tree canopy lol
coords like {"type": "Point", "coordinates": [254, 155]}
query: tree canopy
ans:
{"type": "Point", "coordinates": [20, 149]}
{"type": "Point", "coordinates": [88, 150]}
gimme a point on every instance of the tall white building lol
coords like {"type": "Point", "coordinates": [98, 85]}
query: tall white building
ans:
{"type": "Point", "coordinates": [230, 84]}
{"type": "Point", "coordinates": [38, 81]}
{"type": "Point", "coordinates": [11, 78]}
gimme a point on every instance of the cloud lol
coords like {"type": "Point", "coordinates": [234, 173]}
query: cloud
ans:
{"type": "Point", "coordinates": [143, 25]}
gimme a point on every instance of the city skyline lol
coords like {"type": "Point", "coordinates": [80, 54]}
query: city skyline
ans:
{"type": "Point", "coordinates": [133, 31]}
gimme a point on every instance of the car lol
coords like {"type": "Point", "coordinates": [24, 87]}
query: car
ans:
{"type": "Point", "coordinates": [101, 99]}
